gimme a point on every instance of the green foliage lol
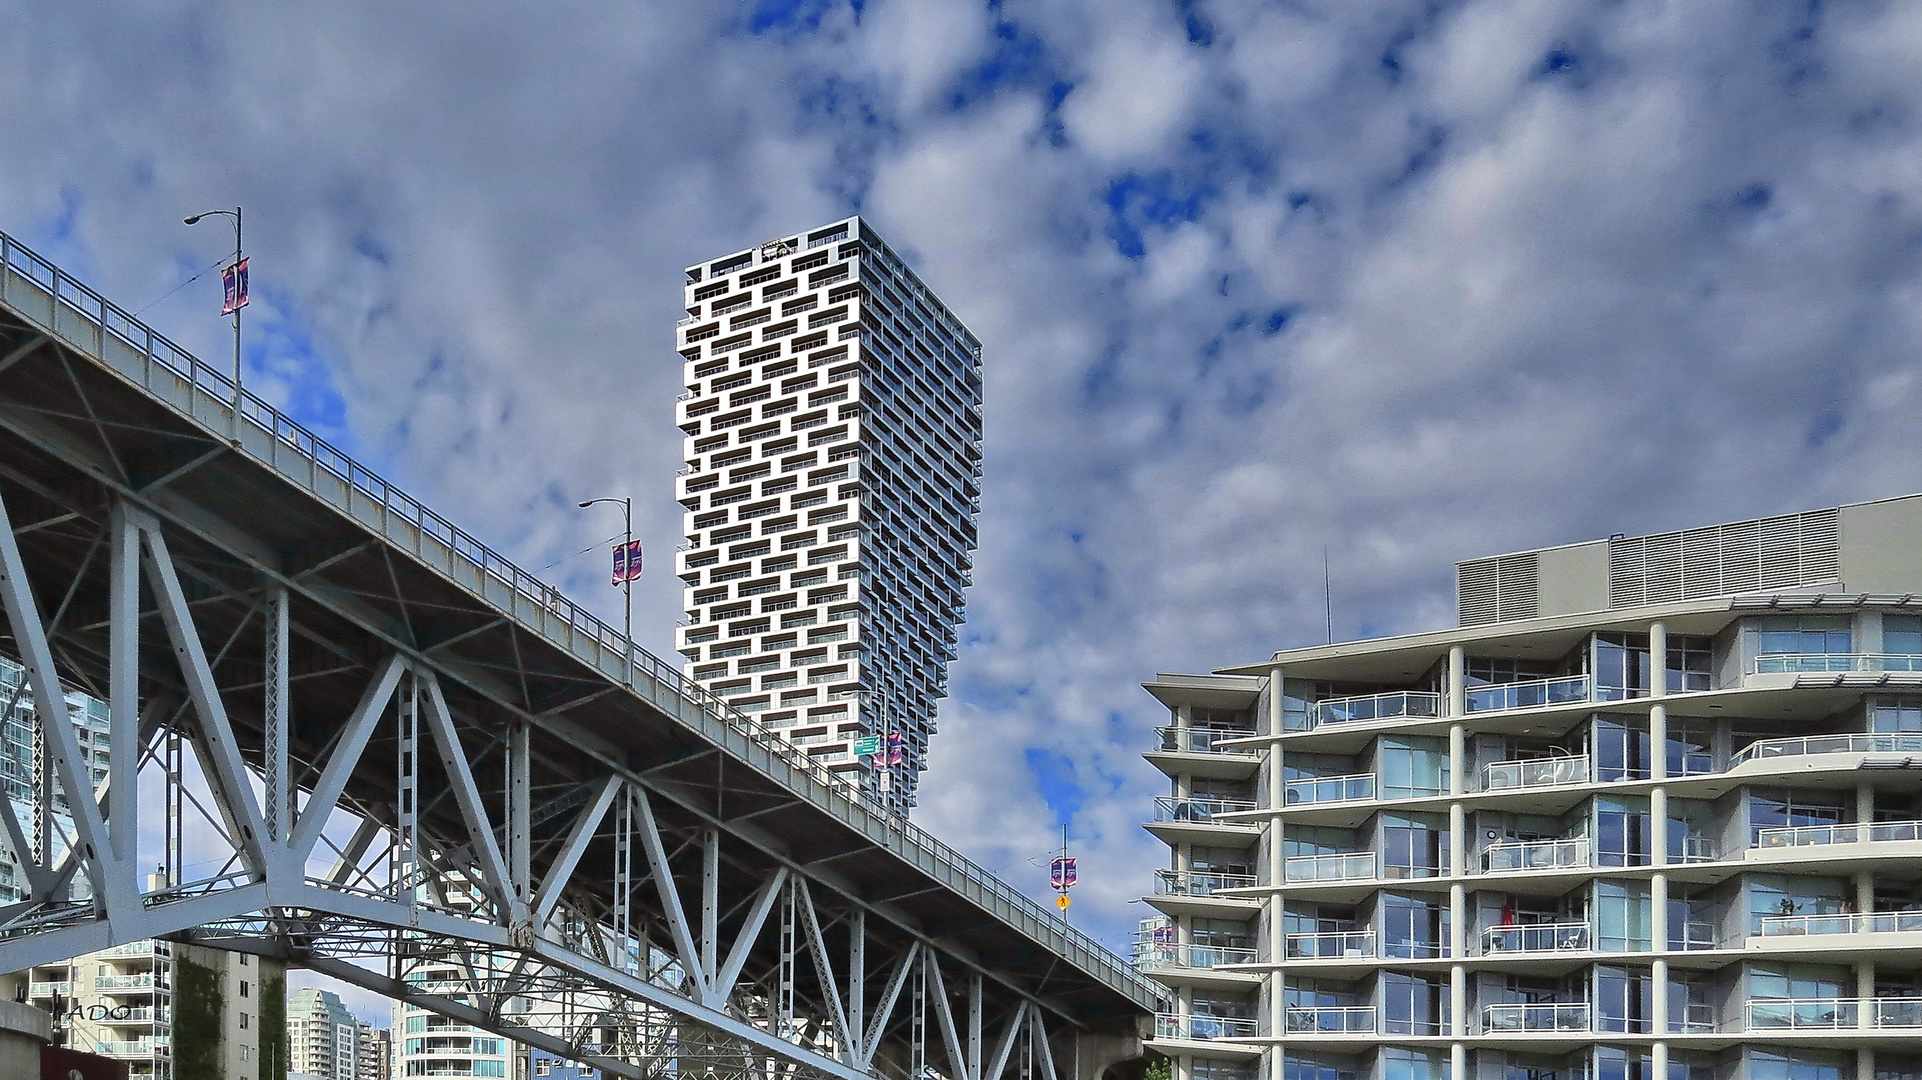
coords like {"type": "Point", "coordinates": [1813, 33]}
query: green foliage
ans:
{"type": "Point", "coordinates": [200, 1001]}
{"type": "Point", "coordinates": [1160, 1069]}
{"type": "Point", "coordinates": [273, 1025]}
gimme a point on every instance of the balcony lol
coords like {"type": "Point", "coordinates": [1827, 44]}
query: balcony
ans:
{"type": "Point", "coordinates": [1536, 938]}
{"type": "Point", "coordinates": [1174, 1026]}
{"type": "Point", "coordinates": [123, 982]}
{"type": "Point", "coordinates": [1835, 1014]}
{"type": "Point", "coordinates": [1200, 740]}
{"type": "Point", "coordinates": [1339, 866]}
{"type": "Point", "coordinates": [1533, 694]}
{"type": "Point", "coordinates": [1196, 956]}
{"type": "Point", "coordinates": [1409, 704]}
{"type": "Point", "coordinates": [49, 989]}
{"type": "Point", "coordinates": [1544, 1016]}
{"type": "Point", "coordinates": [1798, 663]}
{"type": "Point", "coordinates": [1804, 745]}
{"type": "Point", "coordinates": [1332, 1019]}
{"type": "Point", "coordinates": [1870, 922]}
{"type": "Point", "coordinates": [1788, 836]}
{"type": "Point", "coordinates": [1514, 855]}
{"type": "Point", "coordinates": [1199, 883]}
{"type": "Point", "coordinates": [1201, 811]}
{"type": "Point", "coordinates": [137, 1048]}
{"type": "Point", "coordinates": [1333, 945]}
{"type": "Point", "coordinates": [1535, 772]}
{"type": "Point", "coordinates": [1356, 787]}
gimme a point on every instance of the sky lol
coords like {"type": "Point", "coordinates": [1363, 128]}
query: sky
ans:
{"type": "Point", "coordinates": [1258, 283]}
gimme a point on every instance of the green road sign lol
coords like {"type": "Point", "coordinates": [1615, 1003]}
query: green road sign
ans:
{"type": "Point", "coordinates": [867, 746]}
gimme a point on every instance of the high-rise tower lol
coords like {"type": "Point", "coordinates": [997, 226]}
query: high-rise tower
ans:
{"type": "Point", "coordinates": [833, 422]}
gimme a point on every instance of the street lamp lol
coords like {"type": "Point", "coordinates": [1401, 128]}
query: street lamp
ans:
{"type": "Point", "coordinates": [627, 580]}
{"type": "Point", "coordinates": [235, 214]}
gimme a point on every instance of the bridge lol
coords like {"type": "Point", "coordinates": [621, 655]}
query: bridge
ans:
{"type": "Point", "coordinates": [346, 733]}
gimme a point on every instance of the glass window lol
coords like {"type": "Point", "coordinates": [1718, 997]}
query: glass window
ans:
{"type": "Point", "coordinates": [1800, 981]}
{"type": "Point", "coordinates": [1487, 670]}
{"type": "Point", "coordinates": [1623, 922]}
{"type": "Point", "coordinates": [1410, 1005]}
{"type": "Point", "coordinates": [1623, 1000]}
{"type": "Point", "coordinates": [1294, 1067]}
{"type": "Point", "coordinates": [1896, 715]}
{"type": "Point", "coordinates": [1412, 767]}
{"type": "Point", "coordinates": [1690, 663]}
{"type": "Point", "coordinates": [1777, 807]}
{"type": "Point", "coordinates": [1793, 1065]}
{"type": "Point", "coordinates": [1803, 634]}
{"type": "Point", "coordinates": [1411, 848]}
{"type": "Point", "coordinates": [1688, 747]}
{"type": "Point", "coordinates": [1621, 832]}
{"type": "Point", "coordinates": [1399, 1063]}
{"type": "Point", "coordinates": [1902, 634]}
{"type": "Point", "coordinates": [1621, 666]}
{"type": "Point", "coordinates": [1412, 929]}
{"type": "Point", "coordinates": [1621, 751]}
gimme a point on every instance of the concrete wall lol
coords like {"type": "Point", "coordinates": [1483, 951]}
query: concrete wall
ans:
{"type": "Point", "coordinates": [1573, 579]}
{"type": "Point", "coordinates": [23, 1031]}
{"type": "Point", "coordinates": [1882, 545]}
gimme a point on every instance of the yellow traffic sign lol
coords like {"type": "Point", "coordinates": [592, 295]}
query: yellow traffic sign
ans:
{"type": "Point", "coordinates": [1062, 901]}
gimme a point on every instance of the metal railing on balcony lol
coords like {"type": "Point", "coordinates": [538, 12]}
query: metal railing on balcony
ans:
{"type": "Point", "coordinates": [1198, 882]}
{"type": "Point", "coordinates": [48, 989]}
{"type": "Point", "coordinates": [1195, 1026]}
{"type": "Point", "coordinates": [1535, 855]}
{"type": "Point", "coordinates": [1782, 836]}
{"type": "Point", "coordinates": [1201, 740]}
{"type": "Point", "coordinates": [1698, 848]}
{"type": "Point", "coordinates": [1533, 694]}
{"type": "Point", "coordinates": [1356, 787]}
{"type": "Point", "coordinates": [1536, 937]}
{"type": "Point", "coordinates": [137, 1048]}
{"type": "Point", "coordinates": [1196, 956]}
{"type": "Point", "coordinates": [123, 982]}
{"type": "Point", "coordinates": [1831, 1014]}
{"type": "Point", "coordinates": [1536, 772]}
{"type": "Point", "coordinates": [1410, 704]}
{"type": "Point", "coordinates": [1537, 1016]}
{"type": "Point", "coordinates": [1864, 922]}
{"type": "Point", "coordinates": [1785, 663]}
{"type": "Point", "coordinates": [1694, 934]}
{"type": "Point", "coordinates": [1201, 811]}
{"type": "Point", "coordinates": [1332, 1019]}
{"type": "Point", "coordinates": [1340, 866]}
{"type": "Point", "coordinates": [1332, 945]}
{"type": "Point", "coordinates": [1855, 743]}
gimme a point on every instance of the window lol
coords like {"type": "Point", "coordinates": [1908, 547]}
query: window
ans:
{"type": "Point", "coordinates": [1623, 922]}
{"type": "Point", "coordinates": [1411, 848]}
{"type": "Point", "coordinates": [1412, 767]}
{"type": "Point", "coordinates": [1802, 634]}
{"type": "Point", "coordinates": [1621, 666]}
{"type": "Point", "coordinates": [1412, 929]}
{"type": "Point", "coordinates": [1623, 1000]}
{"type": "Point", "coordinates": [1621, 832]}
{"type": "Point", "coordinates": [543, 1067]}
{"type": "Point", "coordinates": [243, 1021]}
{"type": "Point", "coordinates": [243, 1051]}
{"type": "Point", "coordinates": [1778, 807]}
{"type": "Point", "coordinates": [1793, 1065]}
{"type": "Point", "coordinates": [1689, 660]}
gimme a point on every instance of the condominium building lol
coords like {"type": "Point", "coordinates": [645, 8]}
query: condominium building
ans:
{"type": "Point", "coordinates": [323, 1038]}
{"type": "Point", "coordinates": [833, 424]}
{"type": "Point", "coordinates": [375, 1051]}
{"type": "Point", "coordinates": [1653, 808]}
{"type": "Point", "coordinates": [429, 1044]}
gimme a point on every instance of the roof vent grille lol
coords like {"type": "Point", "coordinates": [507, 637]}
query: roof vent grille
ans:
{"type": "Point", "coordinates": [1769, 553]}
{"type": "Point", "coordinates": [1497, 590]}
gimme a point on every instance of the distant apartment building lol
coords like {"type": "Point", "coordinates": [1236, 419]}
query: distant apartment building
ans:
{"type": "Point", "coordinates": [323, 1038]}
{"type": "Point", "coordinates": [375, 1052]}
{"type": "Point", "coordinates": [1650, 810]}
{"type": "Point", "coordinates": [832, 416]}
{"type": "Point", "coordinates": [542, 1065]}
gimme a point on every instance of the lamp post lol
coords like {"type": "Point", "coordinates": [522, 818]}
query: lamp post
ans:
{"type": "Point", "coordinates": [627, 580]}
{"type": "Point", "coordinates": [235, 214]}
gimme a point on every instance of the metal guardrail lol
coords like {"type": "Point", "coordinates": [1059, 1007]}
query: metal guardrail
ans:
{"type": "Point", "coordinates": [1798, 663]}
{"type": "Point", "coordinates": [1169, 808]}
{"type": "Point", "coordinates": [1830, 1014]}
{"type": "Point", "coordinates": [1783, 836]}
{"type": "Point", "coordinates": [1355, 787]}
{"type": "Point", "coordinates": [1199, 883]}
{"type": "Point", "coordinates": [1333, 945]}
{"type": "Point", "coordinates": [1201, 740]}
{"type": "Point", "coordinates": [1535, 937]}
{"type": "Point", "coordinates": [1533, 694]}
{"type": "Point", "coordinates": [1537, 1016]}
{"type": "Point", "coordinates": [1864, 922]}
{"type": "Point", "coordinates": [1338, 866]}
{"type": "Point", "coordinates": [88, 322]}
{"type": "Point", "coordinates": [1853, 743]}
{"type": "Point", "coordinates": [1403, 704]}
{"type": "Point", "coordinates": [1196, 1026]}
{"type": "Point", "coordinates": [1332, 1019]}
{"type": "Point", "coordinates": [1535, 855]}
{"type": "Point", "coordinates": [1535, 772]}
{"type": "Point", "coordinates": [1196, 956]}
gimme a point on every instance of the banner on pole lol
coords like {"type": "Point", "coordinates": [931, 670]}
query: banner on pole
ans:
{"type": "Point", "coordinates": [1061, 873]}
{"type": "Point", "coordinates": [627, 562]}
{"type": "Point", "coordinates": [233, 281]}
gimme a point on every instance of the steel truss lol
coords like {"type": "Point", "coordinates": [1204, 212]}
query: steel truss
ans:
{"type": "Point", "coordinates": [340, 757]}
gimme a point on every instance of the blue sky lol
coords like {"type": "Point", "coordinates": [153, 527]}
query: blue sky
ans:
{"type": "Point", "coordinates": [1402, 281]}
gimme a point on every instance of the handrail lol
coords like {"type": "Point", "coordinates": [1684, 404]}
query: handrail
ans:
{"type": "Point", "coordinates": [1197, 956]}
{"type": "Point", "coordinates": [1198, 882]}
{"type": "Point", "coordinates": [1535, 937]}
{"type": "Point", "coordinates": [1332, 1019]}
{"type": "Point", "coordinates": [1781, 836]}
{"type": "Point", "coordinates": [1202, 1026]}
{"type": "Point", "coordinates": [1829, 1014]}
{"type": "Point", "coordinates": [95, 325]}
{"type": "Point", "coordinates": [1334, 944]}
{"type": "Point", "coordinates": [1847, 743]}
{"type": "Point", "coordinates": [1861, 922]}
{"type": "Point", "coordinates": [1335, 866]}
{"type": "Point", "coordinates": [1535, 854]}
{"type": "Point", "coordinates": [1535, 772]}
{"type": "Point", "coordinates": [1536, 1016]}
{"type": "Point", "coordinates": [1201, 740]}
{"type": "Point", "coordinates": [1409, 704]}
{"type": "Point", "coordinates": [1530, 694]}
{"type": "Point", "coordinates": [1798, 663]}
{"type": "Point", "coordinates": [1355, 787]}
{"type": "Point", "coordinates": [1202, 811]}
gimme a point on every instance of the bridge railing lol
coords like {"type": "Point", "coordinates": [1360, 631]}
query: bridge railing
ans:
{"type": "Point", "coordinates": [82, 318]}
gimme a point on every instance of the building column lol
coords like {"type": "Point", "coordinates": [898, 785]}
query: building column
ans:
{"type": "Point", "coordinates": [1274, 980]}
{"type": "Point", "coordinates": [1457, 703]}
{"type": "Point", "coordinates": [1457, 680]}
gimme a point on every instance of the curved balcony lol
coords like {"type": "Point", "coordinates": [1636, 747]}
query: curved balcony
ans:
{"type": "Point", "coordinates": [1321, 790]}
{"type": "Point", "coordinates": [1200, 957]}
{"type": "Point", "coordinates": [1535, 772]}
{"type": "Point", "coordinates": [1871, 922]}
{"type": "Point", "coordinates": [1396, 704]}
{"type": "Point", "coordinates": [1334, 945]}
{"type": "Point", "coordinates": [1545, 1016]}
{"type": "Point", "coordinates": [1834, 1014]}
{"type": "Point", "coordinates": [1533, 694]}
{"type": "Point", "coordinates": [1523, 855]}
{"type": "Point", "coordinates": [1800, 663]}
{"type": "Point", "coordinates": [1192, 1026]}
{"type": "Point", "coordinates": [1338, 866]}
{"type": "Point", "coordinates": [1332, 1019]}
{"type": "Point", "coordinates": [1201, 740]}
{"type": "Point", "coordinates": [1535, 938]}
{"type": "Point", "coordinates": [1199, 883]}
{"type": "Point", "coordinates": [1805, 745]}
{"type": "Point", "coordinates": [1169, 809]}
{"type": "Point", "coordinates": [1795, 836]}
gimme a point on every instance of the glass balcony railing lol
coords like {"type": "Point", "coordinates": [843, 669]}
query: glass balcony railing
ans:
{"type": "Point", "coordinates": [1195, 1026]}
{"type": "Point", "coordinates": [1868, 922]}
{"type": "Point", "coordinates": [1535, 855]}
{"type": "Point", "coordinates": [1534, 694]}
{"type": "Point", "coordinates": [1201, 811]}
{"type": "Point", "coordinates": [1784, 663]}
{"type": "Point", "coordinates": [1357, 787]}
{"type": "Point", "coordinates": [1333, 945]}
{"type": "Point", "coordinates": [1537, 1016]}
{"type": "Point", "coordinates": [1332, 1019]}
{"type": "Point", "coordinates": [1853, 743]}
{"type": "Point", "coordinates": [1411, 704]}
{"type": "Point", "coordinates": [1697, 848]}
{"type": "Point", "coordinates": [1199, 882]}
{"type": "Point", "coordinates": [1784, 836]}
{"type": "Point", "coordinates": [1694, 934]}
{"type": "Point", "coordinates": [1339, 866]}
{"type": "Point", "coordinates": [48, 989]}
{"type": "Point", "coordinates": [1535, 937]}
{"type": "Point", "coordinates": [1201, 740]}
{"type": "Point", "coordinates": [1535, 772]}
{"type": "Point", "coordinates": [123, 982]}
{"type": "Point", "coordinates": [1196, 956]}
{"type": "Point", "coordinates": [1831, 1014]}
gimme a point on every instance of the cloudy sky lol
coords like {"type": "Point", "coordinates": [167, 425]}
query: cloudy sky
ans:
{"type": "Point", "coordinates": [1404, 282]}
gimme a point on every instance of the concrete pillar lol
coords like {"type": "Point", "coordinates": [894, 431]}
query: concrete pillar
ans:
{"type": "Point", "coordinates": [1865, 993]}
{"type": "Point", "coordinates": [1658, 1059]}
{"type": "Point", "coordinates": [1864, 891]}
{"type": "Point", "coordinates": [1458, 1061]}
{"type": "Point", "coordinates": [1864, 806]}
{"type": "Point", "coordinates": [1865, 1064]}
{"type": "Point", "coordinates": [1457, 680]}
{"type": "Point", "coordinates": [1658, 928]}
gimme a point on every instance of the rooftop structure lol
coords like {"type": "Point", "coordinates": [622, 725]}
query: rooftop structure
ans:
{"type": "Point", "coordinates": [1651, 810]}
{"type": "Point", "coordinates": [833, 424]}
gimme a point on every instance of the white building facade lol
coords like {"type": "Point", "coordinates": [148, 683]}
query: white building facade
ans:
{"type": "Point", "coordinates": [322, 1036]}
{"type": "Point", "coordinates": [832, 416]}
{"type": "Point", "coordinates": [1652, 810]}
